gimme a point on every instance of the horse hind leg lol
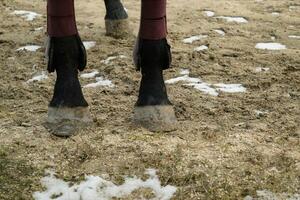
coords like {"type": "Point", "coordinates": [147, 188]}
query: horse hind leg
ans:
{"type": "Point", "coordinates": [116, 19]}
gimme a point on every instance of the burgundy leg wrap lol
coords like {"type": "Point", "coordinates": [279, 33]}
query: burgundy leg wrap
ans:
{"type": "Point", "coordinates": [153, 20]}
{"type": "Point", "coordinates": [61, 18]}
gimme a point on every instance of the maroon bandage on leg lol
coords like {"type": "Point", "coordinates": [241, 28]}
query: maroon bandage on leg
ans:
{"type": "Point", "coordinates": [153, 20]}
{"type": "Point", "coordinates": [61, 18]}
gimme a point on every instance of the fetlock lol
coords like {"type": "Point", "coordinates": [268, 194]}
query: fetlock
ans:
{"type": "Point", "coordinates": [153, 59]}
{"type": "Point", "coordinates": [115, 10]}
{"type": "Point", "coordinates": [66, 59]}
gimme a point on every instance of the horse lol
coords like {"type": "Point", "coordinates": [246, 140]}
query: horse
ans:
{"type": "Point", "coordinates": [66, 55]}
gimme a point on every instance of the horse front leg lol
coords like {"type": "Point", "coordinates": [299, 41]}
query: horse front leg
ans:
{"type": "Point", "coordinates": [116, 19]}
{"type": "Point", "coordinates": [66, 55]}
{"type": "Point", "coordinates": [152, 55]}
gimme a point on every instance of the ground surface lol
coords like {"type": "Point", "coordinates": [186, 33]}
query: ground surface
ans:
{"type": "Point", "coordinates": [223, 149]}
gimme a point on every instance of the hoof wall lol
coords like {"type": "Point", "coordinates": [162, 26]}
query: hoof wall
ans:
{"type": "Point", "coordinates": [65, 122]}
{"type": "Point", "coordinates": [156, 118]}
{"type": "Point", "coordinates": [117, 28]}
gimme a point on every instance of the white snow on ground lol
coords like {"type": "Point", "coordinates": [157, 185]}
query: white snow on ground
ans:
{"type": "Point", "coordinates": [39, 77]}
{"type": "Point", "coordinates": [90, 74]}
{"type": "Point", "coordinates": [211, 89]}
{"type": "Point", "coordinates": [184, 78]}
{"type": "Point", "coordinates": [273, 38]}
{"type": "Point", "coordinates": [27, 15]}
{"type": "Point", "coordinates": [39, 29]}
{"type": "Point", "coordinates": [29, 48]}
{"type": "Point", "coordinates": [201, 48]}
{"type": "Point", "coordinates": [184, 72]}
{"type": "Point", "coordinates": [111, 58]}
{"type": "Point", "coordinates": [230, 88]}
{"type": "Point", "coordinates": [260, 113]}
{"type": "Point", "coordinates": [97, 188]}
{"type": "Point", "coordinates": [294, 36]}
{"type": "Point", "coordinates": [275, 13]}
{"type": "Point", "coordinates": [219, 31]}
{"type": "Point", "coordinates": [270, 46]}
{"type": "Point", "coordinates": [204, 87]}
{"type": "Point", "coordinates": [100, 81]}
{"type": "Point", "coordinates": [192, 39]}
{"type": "Point", "coordinates": [209, 13]}
{"type": "Point", "coordinates": [233, 19]}
{"type": "Point", "coordinates": [268, 195]}
{"type": "Point", "coordinates": [89, 44]}
{"type": "Point", "coordinates": [262, 69]}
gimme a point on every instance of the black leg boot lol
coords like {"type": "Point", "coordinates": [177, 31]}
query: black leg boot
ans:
{"type": "Point", "coordinates": [153, 110]}
{"type": "Point", "coordinates": [116, 19]}
{"type": "Point", "coordinates": [68, 109]}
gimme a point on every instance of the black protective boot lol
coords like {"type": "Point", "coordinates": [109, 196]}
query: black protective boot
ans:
{"type": "Point", "coordinates": [153, 109]}
{"type": "Point", "coordinates": [116, 19]}
{"type": "Point", "coordinates": [68, 106]}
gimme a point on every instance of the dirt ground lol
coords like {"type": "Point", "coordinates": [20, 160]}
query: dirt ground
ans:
{"type": "Point", "coordinates": [223, 149]}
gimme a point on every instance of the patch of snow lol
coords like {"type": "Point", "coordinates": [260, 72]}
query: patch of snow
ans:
{"type": "Point", "coordinates": [89, 75]}
{"type": "Point", "coordinates": [209, 13]}
{"type": "Point", "coordinates": [111, 58]}
{"type": "Point", "coordinates": [294, 36]}
{"type": "Point", "coordinates": [29, 48]}
{"type": "Point", "coordinates": [275, 13]}
{"type": "Point", "coordinates": [192, 39]}
{"type": "Point", "coordinates": [260, 113]}
{"type": "Point", "coordinates": [211, 89]}
{"type": "Point", "coordinates": [184, 78]}
{"type": "Point", "coordinates": [233, 19]}
{"type": "Point", "coordinates": [204, 87]}
{"type": "Point", "coordinates": [42, 76]}
{"type": "Point", "coordinates": [89, 44]}
{"type": "Point", "coordinates": [184, 72]}
{"type": "Point", "coordinates": [270, 46]}
{"type": "Point", "coordinates": [268, 195]}
{"type": "Point", "coordinates": [201, 48]}
{"type": "Point", "coordinates": [230, 88]}
{"type": "Point", "coordinates": [27, 15]}
{"type": "Point", "coordinates": [262, 69]}
{"type": "Point", "coordinates": [95, 187]}
{"type": "Point", "coordinates": [100, 81]}
{"type": "Point", "coordinates": [39, 29]}
{"type": "Point", "coordinates": [273, 38]}
{"type": "Point", "coordinates": [292, 8]}
{"type": "Point", "coordinates": [219, 31]}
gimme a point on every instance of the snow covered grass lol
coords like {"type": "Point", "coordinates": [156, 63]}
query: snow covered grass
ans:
{"type": "Point", "coordinates": [27, 15]}
{"type": "Point", "coordinates": [31, 48]}
{"type": "Point", "coordinates": [95, 187]}
{"type": "Point", "coordinates": [207, 88]}
{"type": "Point", "coordinates": [270, 46]}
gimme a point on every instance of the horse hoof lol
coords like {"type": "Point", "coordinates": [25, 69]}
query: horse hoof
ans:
{"type": "Point", "coordinates": [65, 122]}
{"type": "Point", "coordinates": [160, 118]}
{"type": "Point", "coordinates": [117, 28]}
